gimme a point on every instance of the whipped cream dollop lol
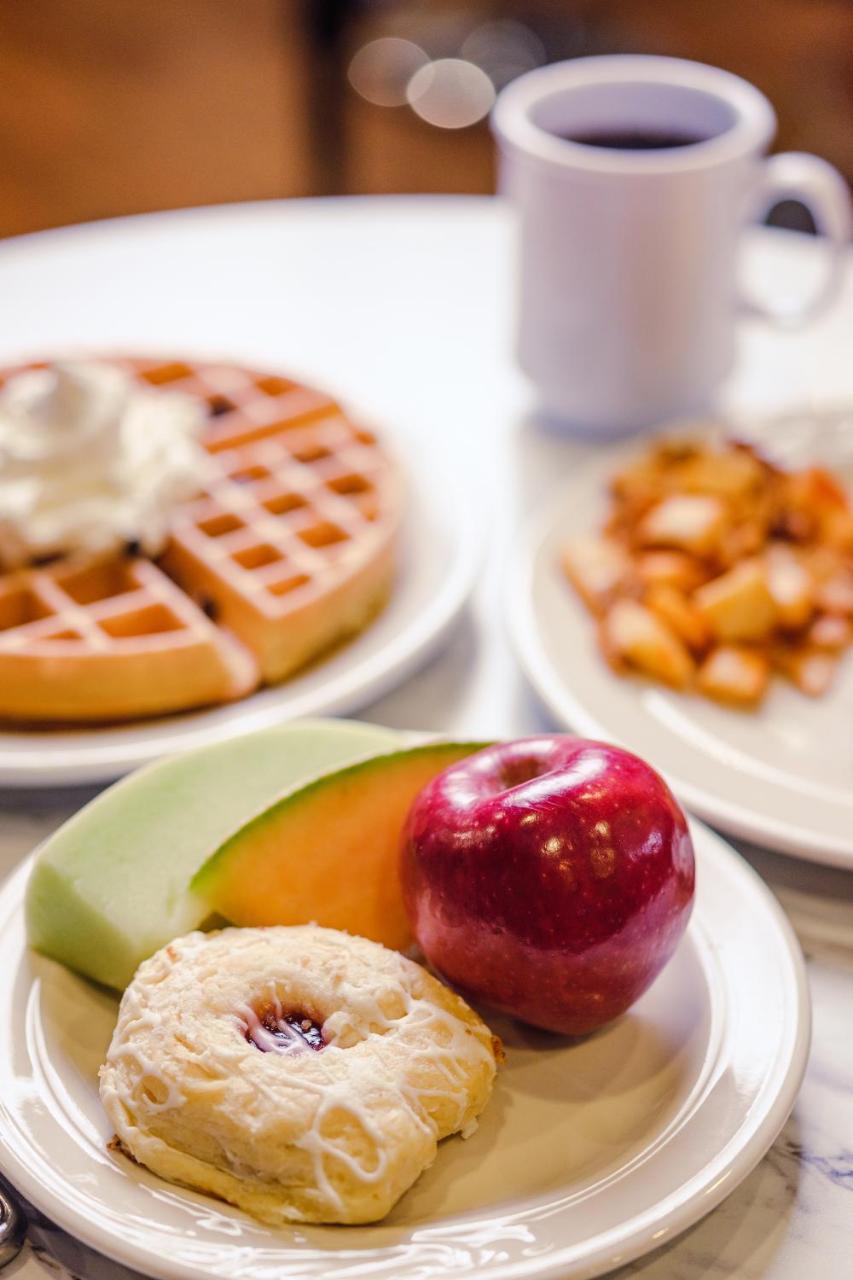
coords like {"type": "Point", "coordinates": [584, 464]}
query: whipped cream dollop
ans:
{"type": "Point", "coordinates": [90, 461]}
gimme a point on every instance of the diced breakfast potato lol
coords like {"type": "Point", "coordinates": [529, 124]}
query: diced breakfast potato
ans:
{"type": "Point", "coordinates": [734, 675]}
{"type": "Point", "coordinates": [642, 482]}
{"type": "Point", "coordinates": [791, 586]}
{"type": "Point", "coordinates": [743, 537]}
{"type": "Point", "coordinates": [829, 631]}
{"type": "Point", "coordinates": [595, 567]}
{"type": "Point", "coordinates": [732, 473]}
{"type": "Point", "coordinates": [670, 451]}
{"type": "Point", "coordinates": [835, 594]}
{"type": "Point", "coordinates": [670, 569]}
{"type": "Point", "coordinates": [838, 529]}
{"type": "Point", "coordinates": [823, 562]}
{"type": "Point", "coordinates": [716, 567]}
{"type": "Point", "coordinates": [808, 500]}
{"type": "Point", "coordinates": [738, 605]}
{"type": "Point", "coordinates": [633, 636]}
{"type": "Point", "coordinates": [687, 522]}
{"type": "Point", "coordinates": [815, 490]}
{"type": "Point", "coordinates": [811, 670]}
{"type": "Point", "coordinates": [680, 615]}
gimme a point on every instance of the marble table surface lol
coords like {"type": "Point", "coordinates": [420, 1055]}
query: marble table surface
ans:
{"type": "Point", "coordinates": [418, 333]}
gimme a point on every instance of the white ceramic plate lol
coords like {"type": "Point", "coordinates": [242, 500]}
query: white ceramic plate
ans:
{"type": "Point", "coordinates": [440, 555]}
{"type": "Point", "coordinates": [780, 776]}
{"type": "Point", "coordinates": [588, 1155]}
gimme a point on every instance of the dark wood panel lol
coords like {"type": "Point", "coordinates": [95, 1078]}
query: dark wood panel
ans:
{"type": "Point", "coordinates": [117, 106]}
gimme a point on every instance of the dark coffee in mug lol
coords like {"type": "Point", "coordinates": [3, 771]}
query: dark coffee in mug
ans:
{"type": "Point", "coordinates": [629, 139]}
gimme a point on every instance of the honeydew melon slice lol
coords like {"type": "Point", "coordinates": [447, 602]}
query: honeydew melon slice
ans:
{"type": "Point", "coordinates": [328, 852]}
{"type": "Point", "coordinates": [112, 885]}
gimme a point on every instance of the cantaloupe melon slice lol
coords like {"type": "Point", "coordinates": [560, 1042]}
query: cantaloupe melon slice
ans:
{"type": "Point", "coordinates": [113, 884]}
{"type": "Point", "coordinates": [328, 852]}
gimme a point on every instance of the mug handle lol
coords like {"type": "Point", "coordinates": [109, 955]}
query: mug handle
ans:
{"type": "Point", "coordinates": [794, 175]}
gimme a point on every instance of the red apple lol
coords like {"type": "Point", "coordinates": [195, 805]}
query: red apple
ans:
{"type": "Point", "coordinates": [550, 877]}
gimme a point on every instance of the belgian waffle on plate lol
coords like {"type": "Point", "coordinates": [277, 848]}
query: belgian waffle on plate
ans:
{"type": "Point", "coordinates": [287, 547]}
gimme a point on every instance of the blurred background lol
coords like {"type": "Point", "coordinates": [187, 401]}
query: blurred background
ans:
{"type": "Point", "coordinates": [121, 106]}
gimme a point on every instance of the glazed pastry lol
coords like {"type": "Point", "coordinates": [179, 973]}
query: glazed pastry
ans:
{"type": "Point", "coordinates": [302, 1074]}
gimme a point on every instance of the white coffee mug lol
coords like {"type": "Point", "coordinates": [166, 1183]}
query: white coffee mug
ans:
{"type": "Point", "coordinates": [629, 253]}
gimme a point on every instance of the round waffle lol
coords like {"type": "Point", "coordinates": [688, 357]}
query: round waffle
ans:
{"type": "Point", "coordinates": [287, 549]}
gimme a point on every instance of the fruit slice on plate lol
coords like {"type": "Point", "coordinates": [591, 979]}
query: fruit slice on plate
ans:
{"type": "Point", "coordinates": [328, 853]}
{"type": "Point", "coordinates": [112, 885]}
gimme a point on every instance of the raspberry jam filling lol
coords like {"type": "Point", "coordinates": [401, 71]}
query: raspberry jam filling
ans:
{"type": "Point", "coordinates": [273, 1031]}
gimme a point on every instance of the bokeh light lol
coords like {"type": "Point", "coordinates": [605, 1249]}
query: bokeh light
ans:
{"type": "Point", "coordinates": [380, 70]}
{"type": "Point", "coordinates": [451, 93]}
{"type": "Point", "coordinates": [504, 49]}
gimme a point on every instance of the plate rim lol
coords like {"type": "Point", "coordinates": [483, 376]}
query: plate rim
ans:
{"type": "Point", "coordinates": [375, 674]}
{"type": "Point", "coordinates": [568, 709]}
{"type": "Point", "coordinates": [694, 1200]}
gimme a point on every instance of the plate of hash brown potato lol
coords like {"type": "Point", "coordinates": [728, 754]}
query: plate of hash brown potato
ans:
{"type": "Point", "coordinates": [691, 597]}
